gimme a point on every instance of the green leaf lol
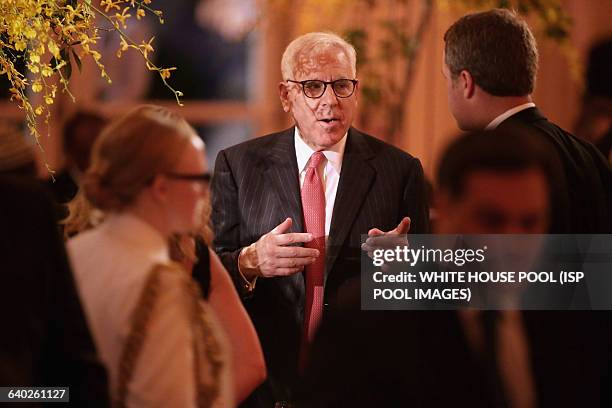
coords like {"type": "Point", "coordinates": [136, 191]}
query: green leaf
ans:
{"type": "Point", "coordinates": [66, 69]}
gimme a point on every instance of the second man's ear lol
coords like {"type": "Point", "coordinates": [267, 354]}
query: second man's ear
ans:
{"type": "Point", "coordinates": [467, 82]}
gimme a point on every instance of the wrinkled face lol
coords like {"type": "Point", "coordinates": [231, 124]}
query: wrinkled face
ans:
{"type": "Point", "coordinates": [187, 198]}
{"type": "Point", "coordinates": [323, 121]}
{"type": "Point", "coordinates": [498, 203]}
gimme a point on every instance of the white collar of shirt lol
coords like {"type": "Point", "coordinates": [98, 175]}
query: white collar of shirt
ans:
{"type": "Point", "coordinates": [495, 122]}
{"type": "Point", "coordinates": [136, 234]}
{"type": "Point", "coordinates": [333, 155]}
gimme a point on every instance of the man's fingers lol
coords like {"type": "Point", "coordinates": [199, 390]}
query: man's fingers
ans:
{"type": "Point", "coordinates": [375, 232]}
{"type": "Point", "coordinates": [282, 227]}
{"type": "Point", "coordinates": [287, 271]}
{"type": "Point", "coordinates": [385, 241]}
{"type": "Point", "coordinates": [403, 227]}
{"type": "Point", "coordinates": [292, 238]}
{"type": "Point", "coordinates": [296, 252]}
{"type": "Point", "coordinates": [293, 262]}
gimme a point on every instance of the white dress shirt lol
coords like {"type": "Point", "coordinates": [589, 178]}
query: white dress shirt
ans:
{"type": "Point", "coordinates": [329, 169]}
{"type": "Point", "coordinates": [498, 120]}
{"type": "Point", "coordinates": [111, 264]}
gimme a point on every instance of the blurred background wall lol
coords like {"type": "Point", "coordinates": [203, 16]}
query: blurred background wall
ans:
{"type": "Point", "coordinates": [228, 55]}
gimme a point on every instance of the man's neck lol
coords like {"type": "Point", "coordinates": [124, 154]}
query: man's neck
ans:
{"type": "Point", "coordinates": [493, 106]}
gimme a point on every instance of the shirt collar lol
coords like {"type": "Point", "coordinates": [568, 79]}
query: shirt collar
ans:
{"type": "Point", "coordinates": [333, 155]}
{"type": "Point", "coordinates": [496, 122]}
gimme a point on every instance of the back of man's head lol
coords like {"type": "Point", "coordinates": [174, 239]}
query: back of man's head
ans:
{"type": "Point", "coordinates": [497, 48]}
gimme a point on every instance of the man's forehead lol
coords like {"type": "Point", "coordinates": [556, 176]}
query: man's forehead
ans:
{"type": "Point", "coordinates": [328, 61]}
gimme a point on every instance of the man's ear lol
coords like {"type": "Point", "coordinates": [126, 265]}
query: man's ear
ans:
{"type": "Point", "coordinates": [283, 92]}
{"type": "Point", "coordinates": [467, 83]}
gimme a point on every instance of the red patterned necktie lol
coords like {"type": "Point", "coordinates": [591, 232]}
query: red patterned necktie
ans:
{"type": "Point", "coordinates": [313, 204]}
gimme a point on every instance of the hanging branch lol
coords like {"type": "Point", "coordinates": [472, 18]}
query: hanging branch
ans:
{"type": "Point", "coordinates": [49, 35]}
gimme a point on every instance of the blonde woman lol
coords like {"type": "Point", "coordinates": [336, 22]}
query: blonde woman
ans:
{"type": "Point", "coordinates": [160, 342]}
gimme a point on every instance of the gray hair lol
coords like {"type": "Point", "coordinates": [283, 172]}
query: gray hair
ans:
{"type": "Point", "coordinates": [313, 44]}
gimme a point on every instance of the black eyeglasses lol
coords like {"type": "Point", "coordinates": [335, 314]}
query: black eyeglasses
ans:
{"type": "Point", "coordinates": [313, 88]}
{"type": "Point", "coordinates": [203, 177]}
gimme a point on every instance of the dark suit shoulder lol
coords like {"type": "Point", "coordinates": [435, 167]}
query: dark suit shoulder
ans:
{"type": "Point", "coordinates": [569, 144]}
{"type": "Point", "coordinates": [587, 182]}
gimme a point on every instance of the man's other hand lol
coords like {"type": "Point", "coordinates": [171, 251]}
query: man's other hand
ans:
{"type": "Point", "coordinates": [271, 255]}
{"type": "Point", "coordinates": [378, 239]}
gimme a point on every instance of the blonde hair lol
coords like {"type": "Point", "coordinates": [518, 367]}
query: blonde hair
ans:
{"type": "Point", "coordinates": [310, 45]}
{"type": "Point", "coordinates": [125, 159]}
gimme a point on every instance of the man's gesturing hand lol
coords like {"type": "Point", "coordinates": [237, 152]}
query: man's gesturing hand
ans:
{"type": "Point", "coordinates": [271, 255]}
{"type": "Point", "coordinates": [378, 239]}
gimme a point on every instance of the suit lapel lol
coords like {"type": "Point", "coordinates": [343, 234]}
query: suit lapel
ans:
{"type": "Point", "coordinates": [282, 173]}
{"type": "Point", "coordinates": [356, 178]}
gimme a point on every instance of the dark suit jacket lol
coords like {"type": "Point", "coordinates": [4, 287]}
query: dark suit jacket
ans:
{"type": "Point", "coordinates": [389, 359]}
{"type": "Point", "coordinates": [422, 359]}
{"type": "Point", "coordinates": [45, 340]}
{"type": "Point", "coordinates": [256, 187]}
{"type": "Point", "coordinates": [586, 207]}
{"type": "Point", "coordinates": [572, 350]}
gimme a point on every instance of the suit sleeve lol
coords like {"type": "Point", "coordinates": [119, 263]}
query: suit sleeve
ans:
{"type": "Point", "coordinates": [225, 219]}
{"type": "Point", "coordinates": [416, 199]}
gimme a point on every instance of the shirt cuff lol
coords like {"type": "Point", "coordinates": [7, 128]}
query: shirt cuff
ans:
{"type": "Point", "coordinates": [247, 286]}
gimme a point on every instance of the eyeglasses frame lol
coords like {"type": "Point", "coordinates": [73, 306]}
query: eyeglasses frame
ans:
{"type": "Point", "coordinates": [325, 83]}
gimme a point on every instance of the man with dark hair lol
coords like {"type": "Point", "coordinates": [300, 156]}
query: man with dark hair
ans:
{"type": "Point", "coordinates": [490, 63]}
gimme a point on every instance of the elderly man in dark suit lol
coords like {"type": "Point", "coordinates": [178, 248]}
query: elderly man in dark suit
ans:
{"type": "Point", "coordinates": [289, 208]}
